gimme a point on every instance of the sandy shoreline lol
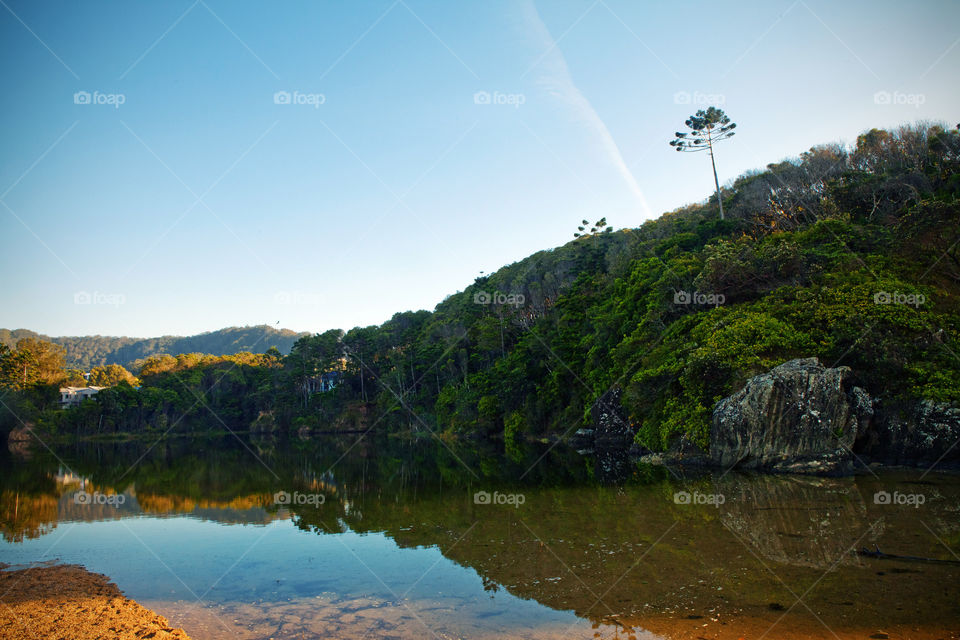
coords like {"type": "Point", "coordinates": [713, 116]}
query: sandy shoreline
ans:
{"type": "Point", "coordinates": [67, 601]}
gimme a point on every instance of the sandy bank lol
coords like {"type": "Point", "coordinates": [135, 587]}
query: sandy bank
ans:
{"type": "Point", "coordinates": [69, 602]}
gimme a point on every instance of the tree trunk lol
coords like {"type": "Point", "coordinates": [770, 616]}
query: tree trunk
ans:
{"type": "Point", "coordinates": [716, 182]}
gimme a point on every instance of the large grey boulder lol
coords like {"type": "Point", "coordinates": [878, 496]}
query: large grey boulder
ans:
{"type": "Point", "coordinates": [800, 417]}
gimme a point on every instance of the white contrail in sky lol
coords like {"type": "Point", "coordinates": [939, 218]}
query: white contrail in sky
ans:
{"type": "Point", "coordinates": [555, 78]}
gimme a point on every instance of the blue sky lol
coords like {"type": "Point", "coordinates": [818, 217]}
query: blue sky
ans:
{"type": "Point", "coordinates": [325, 164]}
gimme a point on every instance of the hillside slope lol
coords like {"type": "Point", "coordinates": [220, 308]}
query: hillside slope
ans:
{"type": "Point", "coordinates": [848, 255]}
{"type": "Point", "coordinates": [84, 352]}
{"type": "Point", "coordinates": [851, 256]}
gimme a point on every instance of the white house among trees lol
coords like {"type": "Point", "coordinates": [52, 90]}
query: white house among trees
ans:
{"type": "Point", "coordinates": [73, 396]}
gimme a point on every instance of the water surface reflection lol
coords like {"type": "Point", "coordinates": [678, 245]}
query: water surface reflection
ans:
{"type": "Point", "coordinates": [401, 542]}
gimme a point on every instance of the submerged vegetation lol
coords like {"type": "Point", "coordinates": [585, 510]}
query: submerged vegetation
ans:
{"type": "Point", "coordinates": [850, 255]}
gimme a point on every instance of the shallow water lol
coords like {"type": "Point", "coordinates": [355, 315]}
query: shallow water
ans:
{"type": "Point", "coordinates": [406, 544]}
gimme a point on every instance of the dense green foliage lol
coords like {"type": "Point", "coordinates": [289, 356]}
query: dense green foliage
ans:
{"type": "Point", "coordinates": [852, 256]}
{"type": "Point", "coordinates": [85, 352]}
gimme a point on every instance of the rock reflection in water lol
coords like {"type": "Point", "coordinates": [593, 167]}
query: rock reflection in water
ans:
{"type": "Point", "coordinates": [796, 520]}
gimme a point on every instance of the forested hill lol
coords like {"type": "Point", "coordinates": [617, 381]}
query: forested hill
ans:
{"type": "Point", "coordinates": [848, 255]}
{"type": "Point", "coordinates": [84, 352]}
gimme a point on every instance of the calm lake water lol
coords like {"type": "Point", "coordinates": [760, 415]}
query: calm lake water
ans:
{"type": "Point", "coordinates": [380, 537]}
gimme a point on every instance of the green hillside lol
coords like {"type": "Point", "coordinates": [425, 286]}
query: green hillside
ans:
{"type": "Point", "coordinates": [849, 255]}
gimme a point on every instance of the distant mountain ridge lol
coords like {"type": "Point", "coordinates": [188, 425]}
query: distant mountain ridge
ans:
{"type": "Point", "coordinates": [84, 352]}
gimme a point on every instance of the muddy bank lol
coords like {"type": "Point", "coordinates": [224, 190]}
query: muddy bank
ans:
{"type": "Point", "coordinates": [67, 601]}
{"type": "Point", "coordinates": [791, 626]}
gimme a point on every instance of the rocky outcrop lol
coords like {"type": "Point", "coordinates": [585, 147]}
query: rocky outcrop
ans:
{"type": "Point", "coordinates": [800, 417]}
{"type": "Point", "coordinates": [609, 420]}
{"type": "Point", "coordinates": [922, 435]}
{"type": "Point", "coordinates": [609, 425]}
